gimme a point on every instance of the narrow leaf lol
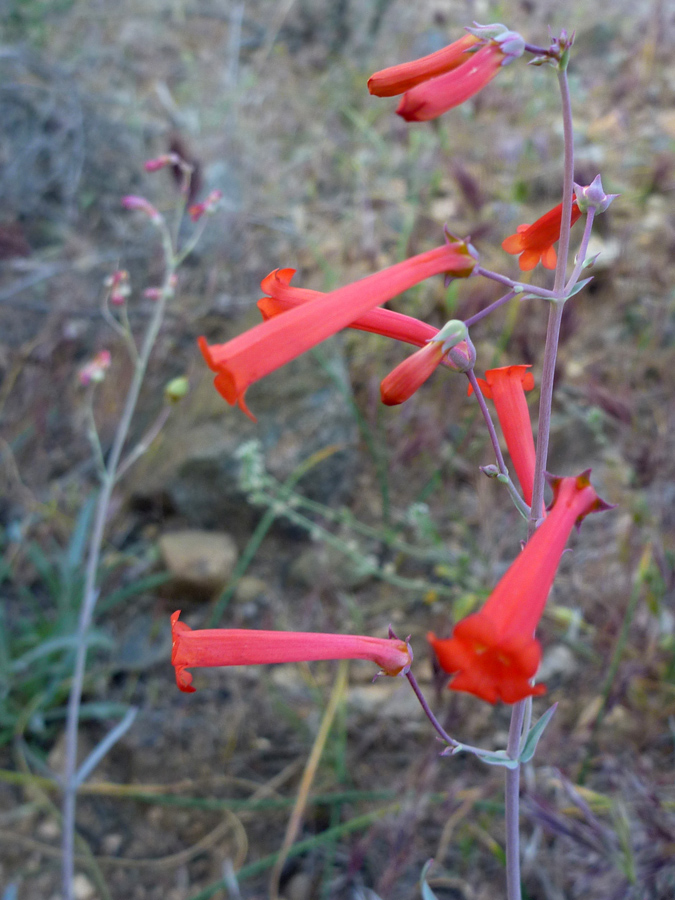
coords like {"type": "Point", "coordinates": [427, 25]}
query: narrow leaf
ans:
{"type": "Point", "coordinates": [535, 733]}
{"type": "Point", "coordinates": [427, 893]}
{"type": "Point", "coordinates": [492, 758]}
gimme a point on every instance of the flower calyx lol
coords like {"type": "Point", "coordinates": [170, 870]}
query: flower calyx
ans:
{"type": "Point", "coordinates": [511, 44]}
{"type": "Point", "coordinates": [456, 345]}
{"type": "Point", "coordinates": [593, 196]}
{"type": "Point", "coordinates": [463, 247]}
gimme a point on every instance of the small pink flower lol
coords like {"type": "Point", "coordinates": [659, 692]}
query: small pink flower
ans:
{"type": "Point", "coordinates": [432, 98]}
{"type": "Point", "coordinates": [94, 371]}
{"type": "Point", "coordinates": [118, 285]}
{"type": "Point", "coordinates": [245, 647]}
{"type": "Point", "coordinates": [206, 206]}
{"type": "Point", "coordinates": [133, 202]}
{"type": "Point", "coordinates": [160, 162]}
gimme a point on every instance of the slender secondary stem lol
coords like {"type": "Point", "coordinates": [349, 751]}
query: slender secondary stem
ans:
{"type": "Point", "coordinates": [90, 593]}
{"type": "Point", "coordinates": [489, 309]}
{"type": "Point", "coordinates": [516, 286]}
{"type": "Point", "coordinates": [538, 51]}
{"type": "Point", "coordinates": [583, 248]}
{"type": "Point", "coordinates": [442, 733]}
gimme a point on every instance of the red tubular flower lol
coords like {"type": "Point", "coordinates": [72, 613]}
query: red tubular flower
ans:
{"type": "Point", "coordinates": [244, 647]}
{"type": "Point", "coordinates": [378, 321]}
{"type": "Point", "coordinates": [506, 386]}
{"type": "Point", "coordinates": [398, 79]}
{"type": "Point", "coordinates": [535, 242]}
{"type": "Point", "coordinates": [270, 345]}
{"type": "Point", "coordinates": [494, 652]}
{"type": "Point", "coordinates": [436, 96]}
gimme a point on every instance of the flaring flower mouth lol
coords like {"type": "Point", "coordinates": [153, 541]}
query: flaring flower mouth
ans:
{"type": "Point", "coordinates": [535, 242]}
{"type": "Point", "coordinates": [245, 647]}
{"type": "Point", "coordinates": [493, 653]}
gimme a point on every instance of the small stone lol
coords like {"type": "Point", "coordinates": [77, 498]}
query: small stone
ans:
{"type": "Point", "coordinates": [48, 830]}
{"type": "Point", "coordinates": [558, 663]}
{"type": "Point", "coordinates": [390, 698]}
{"type": "Point", "coordinates": [607, 251]}
{"type": "Point", "coordinates": [83, 889]}
{"type": "Point", "coordinates": [250, 590]}
{"type": "Point", "coordinates": [200, 561]}
{"type": "Point", "coordinates": [111, 844]}
{"type": "Point", "coordinates": [299, 887]}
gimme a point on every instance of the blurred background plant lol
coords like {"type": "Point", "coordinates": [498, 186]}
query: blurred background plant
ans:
{"type": "Point", "coordinates": [192, 793]}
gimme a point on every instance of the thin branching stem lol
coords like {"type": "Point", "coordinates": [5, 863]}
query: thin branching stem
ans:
{"type": "Point", "coordinates": [90, 593]}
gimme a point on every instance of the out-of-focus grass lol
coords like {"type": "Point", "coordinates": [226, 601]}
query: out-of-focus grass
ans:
{"type": "Point", "coordinates": [37, 636]}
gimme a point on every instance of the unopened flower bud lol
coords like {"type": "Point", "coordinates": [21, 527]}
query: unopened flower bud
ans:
{"type": "Point", "coordinates": [491, 471]}
{"type": "Point", "coordinates": [593, 196]}
{"type": "Point", "coordinates": [176, 389]}
{"type": "Point", "coordinates": [94, 371]}
{"type": "Point", "coordinates": [463, 355]}
{"type": "Point", "coordinates": [159, 162]}
{"type": "Point", "coordinates": [206, 206]}
{"type": "Point", "coordinates": [132, 201]}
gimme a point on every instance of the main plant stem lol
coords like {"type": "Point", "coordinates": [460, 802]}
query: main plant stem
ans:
{"type": "Point", "coordinates": [512, 795]}
{"type": "Point", "coordinates": [90, 593]}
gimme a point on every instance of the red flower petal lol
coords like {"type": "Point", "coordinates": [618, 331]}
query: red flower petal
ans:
{"type": "Point", "coordinates": [398, 79]}
{"type": "Point", "coordinates": [402, 382]}
{"type": "Point", "coordinates": [432, 98]}
{"type": "Point", "coordinates": [535, 242]}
